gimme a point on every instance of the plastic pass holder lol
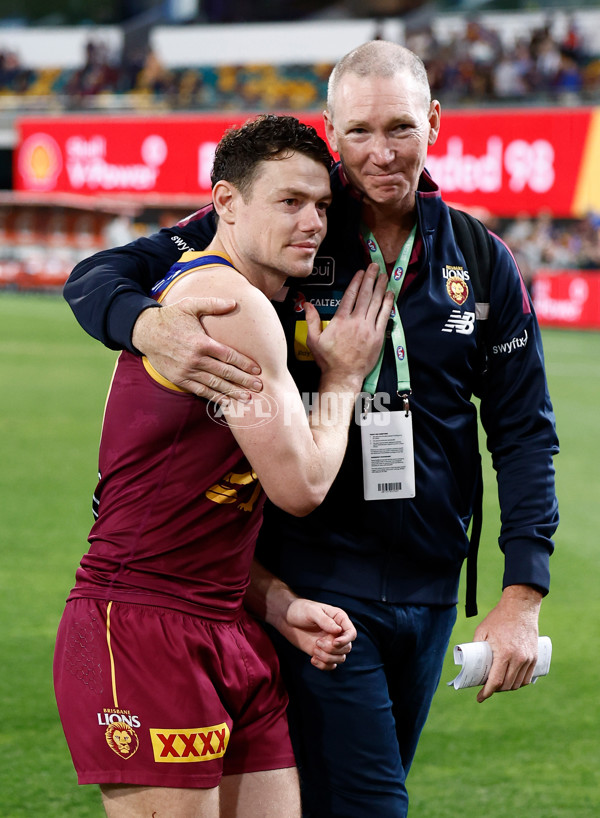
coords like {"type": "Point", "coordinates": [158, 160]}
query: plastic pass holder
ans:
{"type": "Point", "coordinates": [387, 453]}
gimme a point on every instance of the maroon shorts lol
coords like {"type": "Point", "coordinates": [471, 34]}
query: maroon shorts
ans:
{"type": "Point", "coordinates": [153, 697]}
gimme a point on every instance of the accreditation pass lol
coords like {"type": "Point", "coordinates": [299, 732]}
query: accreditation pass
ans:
{"type": "Point", "coordinates": [387, 455]}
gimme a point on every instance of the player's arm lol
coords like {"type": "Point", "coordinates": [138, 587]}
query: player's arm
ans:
{"type": "Point", "coordinates": [109, 295]}
{"type": "Point", "coordinates": [110, 289]}
{"type": "Point", "coordinates": [297, 458]}
{"type": "Point", "coordinates": [324, 632]}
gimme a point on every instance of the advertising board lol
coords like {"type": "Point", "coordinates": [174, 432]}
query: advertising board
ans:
{"type": "Point", "coordinates": [503, 161]}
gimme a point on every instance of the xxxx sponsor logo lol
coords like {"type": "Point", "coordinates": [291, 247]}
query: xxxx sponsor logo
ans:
{"type": "Point", "coordinates": [183, 746]}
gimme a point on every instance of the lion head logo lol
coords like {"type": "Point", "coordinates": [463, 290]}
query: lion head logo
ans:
{"type": "Point", "coordinates": [122, 739]}
{"type": "Point", "coordinates": [457, 290]}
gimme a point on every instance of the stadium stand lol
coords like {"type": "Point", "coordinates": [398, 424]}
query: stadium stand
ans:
{"type": "Point", "coordinates": [490, 60]}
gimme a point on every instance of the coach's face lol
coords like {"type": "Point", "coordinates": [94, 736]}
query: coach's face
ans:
{"type": "Point", "coordinates": [282, 220]}
{"type": "Point", "coordinates": [382, 128]}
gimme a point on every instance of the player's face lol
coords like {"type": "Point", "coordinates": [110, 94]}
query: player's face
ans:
{"type": "Point", "coordinates": [284, 219]}
{"type": "Point", "coordinates": [382, 127]}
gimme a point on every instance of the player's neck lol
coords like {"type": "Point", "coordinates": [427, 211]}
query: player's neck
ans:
{"type": "Point", "coordinates": [267, 281]}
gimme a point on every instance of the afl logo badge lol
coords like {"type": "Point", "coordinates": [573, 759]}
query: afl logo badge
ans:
{"type": "Point", "coordinates": [371, 245]}
{"type": "Point", "coordinates": [398, 273]}
{"type": "Point", "coordinates": [400, 353]}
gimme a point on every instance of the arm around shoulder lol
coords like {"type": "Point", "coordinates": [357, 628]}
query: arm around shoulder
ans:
{"type": "Point", "coordinates": [108, 291]}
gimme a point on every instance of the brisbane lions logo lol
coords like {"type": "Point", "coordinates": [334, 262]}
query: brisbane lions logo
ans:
{"type": "Point", "coordinates": [457, 290]}
{"type": "Point", "coordinates": [122, 739]}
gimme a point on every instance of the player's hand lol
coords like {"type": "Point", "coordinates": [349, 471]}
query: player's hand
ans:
{"type": "Point", "coordinates": [176, 344]}
{"type": "Point", "coordinates": [352, 341]}
{"type": "Point", "coordinates": [322, 631]}
{"type": "Point", "coordinates": [511, 628]}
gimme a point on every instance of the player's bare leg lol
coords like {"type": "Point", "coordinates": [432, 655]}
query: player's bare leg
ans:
{"type": "Point", "coordinates": [268, 794]}
{"type": "Point", "coordinates": [124, 801]}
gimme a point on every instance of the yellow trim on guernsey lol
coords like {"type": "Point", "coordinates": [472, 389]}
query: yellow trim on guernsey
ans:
{"type": "Point", "coordinates": [189, 255]}
{"type": "Point", "coordinates": [156, 376]}
{"type": "Point", "coordinates": [112, 658]}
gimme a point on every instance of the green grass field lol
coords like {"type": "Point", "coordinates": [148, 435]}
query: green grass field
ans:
{"type": "Point", "coordinates": [532, 753]}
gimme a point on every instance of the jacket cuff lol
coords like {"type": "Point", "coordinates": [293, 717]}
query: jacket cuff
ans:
{"type": "Point", "coordinates": [122, 315]}
{"type": "Point", "coordinates": [527, 563]}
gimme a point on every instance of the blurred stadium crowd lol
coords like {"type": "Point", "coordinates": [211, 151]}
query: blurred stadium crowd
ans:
{"type": "Point", "coordinates": [475, 66]}
{"type": "Point", "coordinates": [141, 81]}
{"type": "Point", "coordinates": [544, 242]}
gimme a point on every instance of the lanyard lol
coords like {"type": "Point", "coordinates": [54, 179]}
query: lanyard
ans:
{"type": "Point", "coordinates": [395, 285]}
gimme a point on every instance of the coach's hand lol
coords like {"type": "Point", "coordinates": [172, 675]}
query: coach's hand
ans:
{"type": "Point", "coordinates": [352, 341]}
{"type": "Point", "coordinates": [511, 628]}
{"type": "Point", "coordinates": [176, 344]}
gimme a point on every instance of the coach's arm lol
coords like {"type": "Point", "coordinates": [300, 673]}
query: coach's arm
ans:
{"type": "Point", "coordinates": [109, 294]}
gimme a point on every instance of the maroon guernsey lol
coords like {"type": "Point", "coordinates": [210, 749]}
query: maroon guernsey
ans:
{"type": "Point", "coordinates": [178, 505]}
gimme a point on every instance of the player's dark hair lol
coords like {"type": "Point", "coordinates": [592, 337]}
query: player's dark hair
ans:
{"type": "Point", "coordinates": [262, 139]}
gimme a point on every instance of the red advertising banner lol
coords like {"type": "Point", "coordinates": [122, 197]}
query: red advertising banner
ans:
{"type": "Point", "coordinates": [169, 155]}
{"type": "Point", "coordinates": [505, 161]}
{"type": "Point", "coordinates": [513, 161]}
{"type": "Point", "coordinates": [567, 298]}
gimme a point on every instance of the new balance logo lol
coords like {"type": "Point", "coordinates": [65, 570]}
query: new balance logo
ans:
{"type": "Point", "coordinates": [461, 322]}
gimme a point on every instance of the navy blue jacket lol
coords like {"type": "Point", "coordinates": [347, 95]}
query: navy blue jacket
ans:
{"type": "Point", "coordinates": [407, 551]}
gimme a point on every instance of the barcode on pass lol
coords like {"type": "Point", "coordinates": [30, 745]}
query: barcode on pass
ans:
{"type": "Point", "coordinates": [382, 487]}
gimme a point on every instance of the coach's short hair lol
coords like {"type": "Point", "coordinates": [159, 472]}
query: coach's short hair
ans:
{"type": "Point", "coordinates": [378, 58]}
{"type": "Point", "coordinates": [262, 139]}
